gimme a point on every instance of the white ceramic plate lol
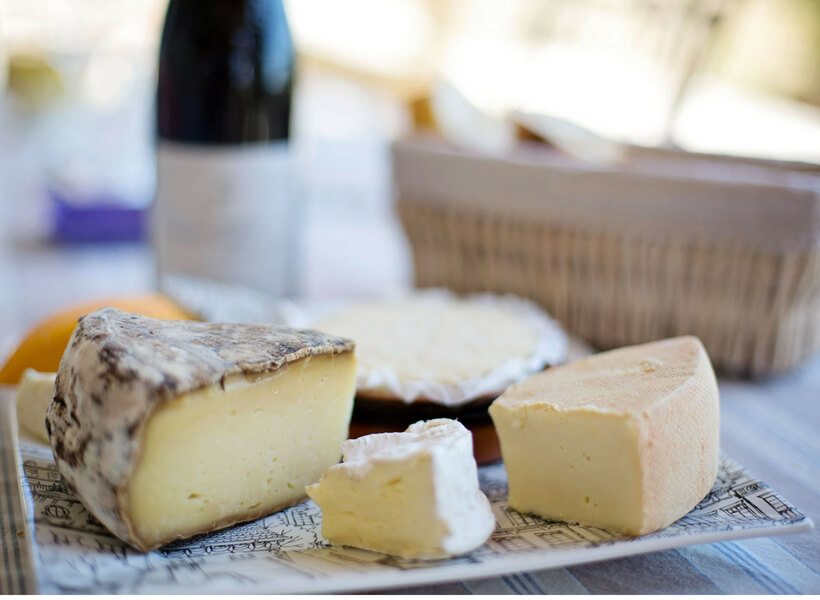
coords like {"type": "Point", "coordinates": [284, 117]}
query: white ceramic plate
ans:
{"type": "Point", "coordinates": [285, 552]}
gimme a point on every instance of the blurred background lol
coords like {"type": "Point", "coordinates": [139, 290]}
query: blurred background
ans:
{"type": "Point", "coordinates": [77, 125]}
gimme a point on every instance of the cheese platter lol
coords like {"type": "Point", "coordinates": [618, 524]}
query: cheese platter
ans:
{"type": "Point", "coordinates": [71, 552]}
{"type": "Point", "coordinates": [59, 537]}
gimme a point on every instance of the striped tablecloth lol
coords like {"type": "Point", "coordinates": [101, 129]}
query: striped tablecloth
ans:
{"type": "Point", "coordinates": [16, 562]}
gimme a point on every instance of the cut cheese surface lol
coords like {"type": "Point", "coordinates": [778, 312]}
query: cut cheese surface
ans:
{"type": "Point", "coordinates": [240, 452]}
{"type": "Point", "coordinates": [166, 429]}
{"type": "Point", "coordinates": [438, 341]}
{"type": "Point", "coordinates": [435, 347]}
{"type": "Point", "coordinates": [34, 395]}
{"type": "Point", "coordinates": [413, 494]}
{"type": "Point", "coordinates": [626, 440]}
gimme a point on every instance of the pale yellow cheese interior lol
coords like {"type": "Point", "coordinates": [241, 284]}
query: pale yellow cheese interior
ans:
{"type": "Point", "coordinates": [34, 395]}
{"type": "Point", "coordinates": [581, 467]}
{"type": "Point", "coordinates": [399, 504]}
{"type": "Point", "coordinates": [215, 457]}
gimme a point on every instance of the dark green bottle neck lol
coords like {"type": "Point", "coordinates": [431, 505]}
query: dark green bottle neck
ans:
{"type": "Point", "coordinates": [225, 72]}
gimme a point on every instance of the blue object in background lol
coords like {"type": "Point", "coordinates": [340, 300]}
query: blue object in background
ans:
{"type": "Point", "coordinates": [98, 219]}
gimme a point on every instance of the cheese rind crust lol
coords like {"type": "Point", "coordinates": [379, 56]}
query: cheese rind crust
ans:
{"type": "Point", "coordinates": [119, 368]}
{"type": "Point", "coordinates": [627, 440]}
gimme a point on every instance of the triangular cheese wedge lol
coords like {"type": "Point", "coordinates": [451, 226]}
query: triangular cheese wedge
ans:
{"type": "Point", "coordinates": [413, 494]}
{"type": "Point", "coordinates": [626, 440]}
{"type": "Point", "coordinates": [166, 429]}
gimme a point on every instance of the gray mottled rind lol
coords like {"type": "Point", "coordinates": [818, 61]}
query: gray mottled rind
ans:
{"type": "Point", "coordinates": [120, 367]}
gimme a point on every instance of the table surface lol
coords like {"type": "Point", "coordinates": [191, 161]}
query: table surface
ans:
{"type": "Point", "coordinates": [769, 426]}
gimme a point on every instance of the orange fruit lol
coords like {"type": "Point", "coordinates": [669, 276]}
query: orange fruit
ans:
{"type": "Point", "coordinates": [42, 347]}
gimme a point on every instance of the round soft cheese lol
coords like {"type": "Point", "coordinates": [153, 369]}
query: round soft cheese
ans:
{"type": "Point", "coordinates": [436, 347]}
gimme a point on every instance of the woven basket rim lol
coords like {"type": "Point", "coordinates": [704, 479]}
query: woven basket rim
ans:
{"type": "Point", "coordinates": [770, 216]}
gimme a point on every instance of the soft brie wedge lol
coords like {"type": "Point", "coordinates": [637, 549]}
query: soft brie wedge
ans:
{"type": "Point", "coordinates": [412, 494]}
{"type": "Point", "coordinates": [166, 429]}
{"type": "Point", "coordinates": [626, 440]}
{"type": "Point", "coordinates": [34, 395]}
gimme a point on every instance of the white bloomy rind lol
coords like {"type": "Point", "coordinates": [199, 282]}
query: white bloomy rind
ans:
{"type": "Point", "coordinates": [359, 510]}
{"type": "Point", "coordinates": [453, 350]}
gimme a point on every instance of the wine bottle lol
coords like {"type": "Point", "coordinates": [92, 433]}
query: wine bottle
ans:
{"type": "Point", "coordinates": [224, 208]}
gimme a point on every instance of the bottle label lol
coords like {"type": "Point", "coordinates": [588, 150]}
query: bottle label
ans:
{"type": "Point", "coordinates": [227, 214]}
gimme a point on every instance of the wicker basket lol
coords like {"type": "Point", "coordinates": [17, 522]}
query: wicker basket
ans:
{"type": "Point", "coordinates": [671, 244]}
